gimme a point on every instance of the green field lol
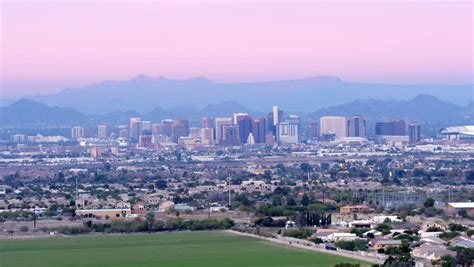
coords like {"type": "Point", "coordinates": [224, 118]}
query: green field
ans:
{"type": "Point", "coordinates": [181, 249]}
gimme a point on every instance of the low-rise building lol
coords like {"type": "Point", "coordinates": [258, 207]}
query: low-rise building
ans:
{"type": "Point", "coordinates": [354, 209]}
{"type": "Point", "coordinates": [104, 213]}
{"type": "Point", "coordinates": [385, 243]}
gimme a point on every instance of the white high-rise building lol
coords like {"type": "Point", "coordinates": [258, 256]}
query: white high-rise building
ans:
{"type": "Point", "coordinates": [207, 136]}
{"type": "Point", "coordinates": [220, 123]}
{"type": "Point", "coordinates": [135, 128]}
{"type": "Point", "coordinates": [237, 115]}
{"type": "Point", "coordinates": [276, 115]}
{"type": "Point", "coordinates": [287, 133]}
{"type": "Point", "coordinates": [77, 132]}
{"type": "Point", "coordinates": [333, 125]}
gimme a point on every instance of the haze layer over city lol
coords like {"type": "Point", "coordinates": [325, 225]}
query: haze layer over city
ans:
{"type": "Point", "coordinates": [252, 133]}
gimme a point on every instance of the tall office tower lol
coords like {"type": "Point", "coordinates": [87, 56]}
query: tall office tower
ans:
{"type": "Point", "coordinates": [207, 136]}
{"type": "Point", "coordinates": [220, 122]}
{"type": "Point", "coordinates": [167, 126]}
{"type": "Point", "coordinates": [135, 129]}
{"type": "Point", "coordinates": [287, 132]}
{"type": "Point", "coordinates": [77, 132]}
{"type": "Point", "coordinates": [19, 138]}
{"type": "Point", "coordinates": [333, 125]}
{"type": "Point", "coordinates": [270, 139]}
{"type": "Point", "coordinates": [277, 115]}
{"type": "Point", "coordinates": [146, 128]}
{"type": "Point", "coordinates": [156, 129]}
{"type": "Point", "coordinates": [207, 122]}
{"type": "Point", "coordinates": [180, 128]}
{"type": "Point", "coordinates": [230, 135]}
{"type": "Point", "coordinates": [395, 127]}
{"type": "Point", "coordinates": [194, 132]}
{"type": "Point", "coordinates": [123, 132]}
{"type": "Point", "coordinates": [356, 126]}
{"type": "Point", "coordinates": [270, 127]}
{"type": "Point", "coordinates": [243, 121]}
{"type": "Point", "coordinates": [259, 130]}
{"type": "Point", "coordinates": [312, 130]}
{"type": "Point", "coordinates": [238, 115]}
{"type": "Point", "coordinates": [414, 133]}
{"type": "Point", "coordinates": [102, 131]}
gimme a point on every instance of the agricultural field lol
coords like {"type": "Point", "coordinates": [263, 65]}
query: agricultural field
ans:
{"type": "Point", "coordinates": [181, 249]}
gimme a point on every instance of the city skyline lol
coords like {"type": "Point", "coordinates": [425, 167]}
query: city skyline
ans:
{"type": "Point", "coordinates": [277, 41]}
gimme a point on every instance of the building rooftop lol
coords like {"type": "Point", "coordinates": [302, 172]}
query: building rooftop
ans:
{"type": "Point", "coordinates": [465, 130]}
{"type": "Point", "coordinates": [462, 205]}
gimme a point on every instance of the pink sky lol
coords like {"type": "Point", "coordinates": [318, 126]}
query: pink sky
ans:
{"type": "Point", "coordinates": [49, 46]}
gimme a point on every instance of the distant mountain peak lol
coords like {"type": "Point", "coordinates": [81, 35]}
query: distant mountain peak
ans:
{"type": "Point", "coordinates": [25, 102]}
{"type": "Point", "coordinates": [143, 77]}
{"type": "Point", "coordinates": [199, 78]}
{"type": "Point", "coordinates": [325, 79]}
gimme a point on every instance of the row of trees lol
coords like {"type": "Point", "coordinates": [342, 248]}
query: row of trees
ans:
{"type": "Point", "coordinates": [147, 225]}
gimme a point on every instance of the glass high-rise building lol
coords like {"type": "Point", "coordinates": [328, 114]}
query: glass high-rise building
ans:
{"type": "Point", "coordinates": [394, 127]}
{"type": "Point", "coordinates": [356, 126]}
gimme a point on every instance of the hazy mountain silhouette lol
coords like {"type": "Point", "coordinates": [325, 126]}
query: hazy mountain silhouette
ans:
{"type": "Point", "coordinates": [143, 93]}
{"type": "Point", "coordinates": [422, 108]}
{"type": "Point", "coordinates": [27, 111]}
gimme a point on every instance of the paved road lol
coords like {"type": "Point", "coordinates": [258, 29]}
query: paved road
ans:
{"type": "Point", "coordinates": [303, 244]}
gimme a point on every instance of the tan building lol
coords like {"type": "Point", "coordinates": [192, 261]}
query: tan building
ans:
{"type": "Point", "coordinates": [468, 207]}
{"type": "Point", "coordinates": [104, 213]}
{"type": "Point", "coordinates": [333, 125]}
{"type": "Point", "coordinates": [354, 209]}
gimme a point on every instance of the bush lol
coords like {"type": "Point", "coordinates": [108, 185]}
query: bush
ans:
{"type": "Point", "coordinates": [448, 235]}
{"type": "Point", "coordinates": [457, 227]}
{"type": "Point", "coordinates": [302, 233]}
{"type": "Point", "coordinates": [359, 231]}
{"type": "Point", "coordinates": [73, 230]}
{"type": "Point", "coordinates": [384, 228]}
{"type": "Point", "coordinates": [24, 228]}
{"type": "Point", "coordinates": [269, 222]}
{"type": "Point", "coordinates": [347, 265]}
{"type": "Point", "coordinates": [470, 232]}
{"type": "Point", "coordinates": [434, 229]}
{"type": "Point", "coordinates": [353, 245]}
{"type": "Point", "coordinates": [432, 211]}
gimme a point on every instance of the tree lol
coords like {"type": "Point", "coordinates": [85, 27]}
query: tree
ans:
{"type": "Point", "coordinates": [305, 200]}
{"type": "Point", "coordinates": [470, 177]}
{"type": "Point", "coordinates": [305, 167]}
{"type": "Point", "coordinates": [150, 219]}
{"type": "Point", "coordinates": [429, 202]}
{"type": "Point", "coordinates": [161, 184]}
{"type": "Point", "coordinates": [384, 228]}
{"type": "Point", "coordinates": [353, 245]}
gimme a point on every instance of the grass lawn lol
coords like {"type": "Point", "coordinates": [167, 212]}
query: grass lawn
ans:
{"type": "Point", "coordinates": [181, 249]}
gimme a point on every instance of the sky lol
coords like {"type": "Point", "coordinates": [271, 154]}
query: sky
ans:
{"type": "Point", "coordinates": [48, 46]}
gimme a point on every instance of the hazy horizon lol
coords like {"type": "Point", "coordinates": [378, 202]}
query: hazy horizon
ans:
{"type": "Point", "coordinates": [414, 43]}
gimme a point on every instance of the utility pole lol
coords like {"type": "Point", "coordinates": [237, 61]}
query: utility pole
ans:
{"type": "Point", "coordinates": [383, 196]}
{"type": "Point", "coordinates": [209, 211]}
{"type": "Point", "coordinates": [77, 195]}
{"type": "Point", "coordinates": [228, 188]}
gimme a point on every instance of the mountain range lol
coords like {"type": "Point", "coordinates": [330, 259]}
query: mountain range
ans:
{"type": "Point", "coordinates": [144, 93]}
{"type": "Point", "coordinates": [422, 108]}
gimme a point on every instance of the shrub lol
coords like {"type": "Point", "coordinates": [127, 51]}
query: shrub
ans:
{"type": "Point", "coordinates": [353, 245]}
{"type": "Point", "coordinates": [302, 233]}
